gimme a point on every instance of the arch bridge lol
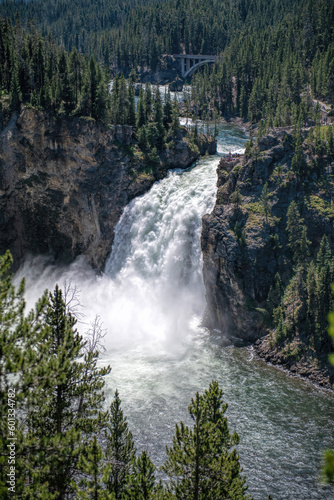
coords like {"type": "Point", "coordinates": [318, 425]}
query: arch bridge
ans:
{"type": "Point", "coordinates": [190, 63]}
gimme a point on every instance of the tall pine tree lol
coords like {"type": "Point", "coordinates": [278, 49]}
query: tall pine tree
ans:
{"type": "Point", "coordinates": [202, 463]}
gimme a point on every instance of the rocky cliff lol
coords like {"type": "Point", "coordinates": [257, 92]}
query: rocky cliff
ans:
{"type": "Point", "coordinates": [244, 245]}
{"type": "Point", "coordinates": [64, 183]}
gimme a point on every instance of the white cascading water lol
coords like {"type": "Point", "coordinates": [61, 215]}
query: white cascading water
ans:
{"type": "Point", "coordinates": [156, 259]}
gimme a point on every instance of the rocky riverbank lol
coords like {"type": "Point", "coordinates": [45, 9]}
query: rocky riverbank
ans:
{"type": "Point", "coordinates": [308, 367]}
{"type": "Point", "coordinates": [64, 183]}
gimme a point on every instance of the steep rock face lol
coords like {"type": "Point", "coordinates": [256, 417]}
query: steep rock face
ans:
{"type": "Point", "coordinates": [167, 70]}
{"type": "Point", "coordinates": [243, 248]}
{"type": "Point", "coordinates": [64, 184]}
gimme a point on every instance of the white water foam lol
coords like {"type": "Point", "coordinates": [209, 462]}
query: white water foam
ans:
{"type": "Point", "coordinates": [152, 288]}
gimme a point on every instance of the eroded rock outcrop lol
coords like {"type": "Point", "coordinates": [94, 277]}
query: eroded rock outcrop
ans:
{"type": "Point", "coordinates": [243, 247]}
{"type": "Point", "coordinates": [64, 184]}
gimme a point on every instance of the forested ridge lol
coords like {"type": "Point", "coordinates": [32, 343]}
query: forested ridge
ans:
{"type": "Point", "coordinates": [40, 72]}
{"type": "Point", "coordinates": [73, 23]}
{"type": "Point", "coordinates": [272, 72]}
{"type": "Point", "coordinates": [140, 32]}
{"type": "Point", "coordinates": [274, 56]}
{"type": "Point", "coordinates": [37, 72]}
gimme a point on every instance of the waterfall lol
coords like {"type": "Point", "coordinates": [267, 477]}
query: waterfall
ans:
{"type": "Point", "coordinates": [152, 287]}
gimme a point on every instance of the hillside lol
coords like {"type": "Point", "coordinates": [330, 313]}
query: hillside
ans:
{"type": "Point", "coordinates": [275, 56]}
{"type": "Point", "coordinates": [268, 246]}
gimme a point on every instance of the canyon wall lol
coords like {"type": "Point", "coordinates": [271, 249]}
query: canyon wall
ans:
{"type": "Point", "coordinates": [65, 181]}
{"type": "Point", "coordinates": [243, 248]}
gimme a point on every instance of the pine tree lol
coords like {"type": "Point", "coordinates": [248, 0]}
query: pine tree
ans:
{"type": "Point", "coordinates": [201, 463]}
{"type": "Point", "coordinates": [275, 294]}
{"type": "Point", "coordinates": [15, 90]}
{"type": "Point", "coordinates": [175, 117]}
{"type": "Point", "coordinates": [115, 100]}
{"type": "Point", "coordinates": [152, 135]}
{"type": "Point", "coordinates": [143, 139]}
{"type": "Point", "coordinates": [141, 117]}
{"type": "Point", "coordinates": [123, 101]}
{"type": "Point", "coordinates": [158, 120]}
{"type": "Point", "coordinates": [20, 336]}
{"type": "Point", "coordinates": [11, 358]}
{"type": "Point", "coordinates": [236, 199]}
{"type": "Point", "coordinates": [148, 101]}
{"type": "Point", "coordinates": [168, 110]}
{"type": "Point", "coordinates": [133, 76]}
{"type": "Point", "coordinates": [65, 407]}
{"type": "Point", "coordinates": [102, 102]}
{"type": "Point", "coordinates": [297, 234]}
{"type": "Point", "coordinates": [75, 74]}
{"type": "Point", "coordinates": [330, 139]}
{"type": "Point", "coordinates": [65, 88]}
{"type": "Point", "coordinates": [311, 286]}
{"type": "Point", "coordinates": [140, 483]}
{"type": "Point", "coordinates": [298, 162]}
{"type": "Point", "coordinates": [324, 254]}
{"type": "Point", "coordinates": [131, 119]}
{"type": "Point", "coordinates": [323, 296]}
{"type": "Point", "coordinates": [153, 157]}
{"type": "Point", "coordinates": [120, 449]}
{"type": "Point", "coordinates": [93, 86]}
{"type": "Point", "coordinates": [92, 469]}
{"type": "Point", "coordinates": [280, 332]}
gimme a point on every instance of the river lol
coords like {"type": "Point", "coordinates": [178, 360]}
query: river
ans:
{"type": "Point", "coordinates": [151, 299]}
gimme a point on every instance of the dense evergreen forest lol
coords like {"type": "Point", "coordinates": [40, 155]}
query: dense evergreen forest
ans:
{"type": "Point", "coordinates": [138, 33]}
{"type": "Point", "coordinates": [59, 441]}
{"type": "Point", "coordinates": [37, 71]}
{"type": "Point", "coordinates": [273, 72]}
{"type": "Point", "coordinates": [72, 23]}
{"type": "Point", "coordinates": [274, 56]}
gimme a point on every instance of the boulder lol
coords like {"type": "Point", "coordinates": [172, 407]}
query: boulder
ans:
{"type": "Point", "coordinates": [176, 85]}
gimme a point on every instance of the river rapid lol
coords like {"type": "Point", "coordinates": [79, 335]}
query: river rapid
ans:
{"type": "Point", "coordinates": [151, 300]}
